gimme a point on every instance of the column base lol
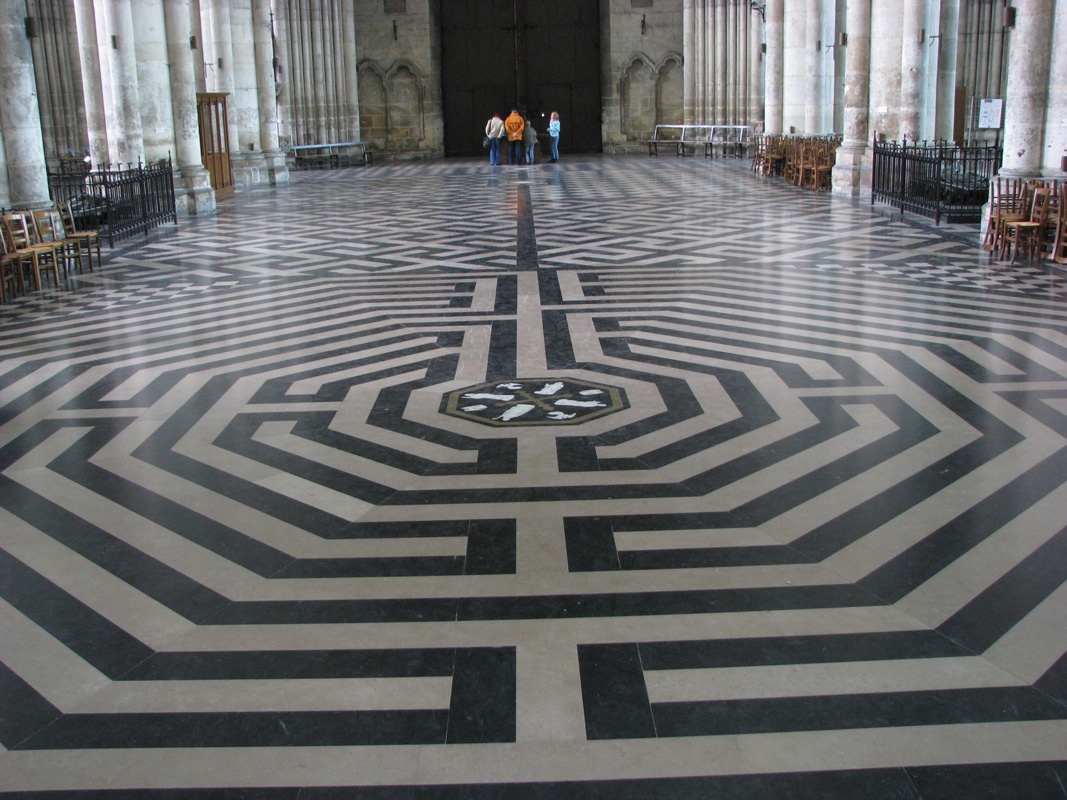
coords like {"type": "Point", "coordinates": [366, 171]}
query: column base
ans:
{"type": "Point", "coordinates": [276, 170]}
{"type": "Point", "coordinates": [259, 168]}
{"type": "Point", "coordinates": [852, 172]}
{"type": "Point", "coordinates": [193, 195]}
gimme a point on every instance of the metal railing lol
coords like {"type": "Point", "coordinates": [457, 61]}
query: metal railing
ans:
{"type": "Point", "coordinates": [934, 179]}
{"type": "Point", "coordinates": [118, 203]}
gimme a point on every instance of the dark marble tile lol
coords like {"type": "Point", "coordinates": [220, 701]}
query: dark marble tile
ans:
{"type": "Point", "coordinates": [483, 696]}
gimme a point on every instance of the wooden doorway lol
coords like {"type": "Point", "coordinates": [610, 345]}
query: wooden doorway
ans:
{"type": "Point", "coordinates": [535, 55]}
{"type": "Point", "coordinates": [215, 140]}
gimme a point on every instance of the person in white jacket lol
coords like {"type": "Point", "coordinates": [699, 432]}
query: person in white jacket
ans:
{"type": "Point", "coordinates": [494, 131]}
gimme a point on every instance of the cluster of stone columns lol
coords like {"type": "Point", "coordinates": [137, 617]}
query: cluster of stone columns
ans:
{"type": "Point", "coordinates": [24, 182]}
{"type": "Point", "coordinates": [892, 68]}
{"type": "Point", "coordinates": [319, 75]}
{"type": "Point", "coordinates": [722, 63]}
{"type": "Point", "coordinates": [119, 79]}
{"type": "Point", "coordinates": [802, 48]}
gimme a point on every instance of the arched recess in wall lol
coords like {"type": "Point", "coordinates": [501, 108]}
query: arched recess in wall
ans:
{"type": "Point", "coordinates": [373, 113]}
{"type": "Point", "coordinates": [392, 105]}
{"type": "Point", "coordinates": [405, 103]}
{"type": "Point", "coordinates": [637, 95]}
{"type": "Point", "coordinates": [670, 91]}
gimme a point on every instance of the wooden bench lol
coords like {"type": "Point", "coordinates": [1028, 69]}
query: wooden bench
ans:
{"type": "Point", "coordinates": [667, 135]}
{"type": "Point", "coordinates": [330, 156]}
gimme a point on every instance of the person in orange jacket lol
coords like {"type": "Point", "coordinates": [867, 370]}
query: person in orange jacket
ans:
{"type": "Point", "coordinates": [514, 125]}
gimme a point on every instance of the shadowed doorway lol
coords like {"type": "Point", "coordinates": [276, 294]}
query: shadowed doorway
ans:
{"type": "Point", "coordinates": [537, 55]}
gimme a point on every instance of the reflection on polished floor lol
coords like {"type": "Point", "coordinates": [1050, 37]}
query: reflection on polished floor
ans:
{"type": "Point", "coordinates": [618, 477]}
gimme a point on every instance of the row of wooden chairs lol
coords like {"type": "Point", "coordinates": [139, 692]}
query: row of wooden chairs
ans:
{"type": "Point", "coordinates": [42, 242]}
{"type": "Point", "coordinates": [805, 161]}
{"type": "Point", "coordinates": [1027, 216]}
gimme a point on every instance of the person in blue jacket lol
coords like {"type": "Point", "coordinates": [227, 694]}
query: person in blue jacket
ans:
{"type": "Point", "coordinates": [553, 132]}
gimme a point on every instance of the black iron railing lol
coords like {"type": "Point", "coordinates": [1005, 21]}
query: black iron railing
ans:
{"type": "Point", "coordinates": [934, 179]}
{"type": "Point", "coordinates": [118, 203]}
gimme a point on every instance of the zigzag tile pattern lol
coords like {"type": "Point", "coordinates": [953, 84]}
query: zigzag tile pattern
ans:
{"type": "Point", "coordinates": [819, 551]}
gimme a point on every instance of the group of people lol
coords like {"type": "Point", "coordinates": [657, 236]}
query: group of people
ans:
{"type": "Point", "coordinates": [521, 137]}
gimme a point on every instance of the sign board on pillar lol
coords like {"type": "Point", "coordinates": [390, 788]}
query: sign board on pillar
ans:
{"type": "Point", "coordinates": [990, 113]}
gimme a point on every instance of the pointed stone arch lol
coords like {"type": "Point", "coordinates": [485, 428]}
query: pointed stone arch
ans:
{"type": "Point", "coordinates": [670, 90]}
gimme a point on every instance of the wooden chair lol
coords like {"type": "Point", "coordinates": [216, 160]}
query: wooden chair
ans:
{"type": "Point", "coordinates": [759, 156]}
{"type": "Point", "coordinates": [1010, 199]}
{"type": "Point", "coordinates": [775, 156]}
{"type": "Point", "coordinates": [50, 230]}
{"type": "Point", "coordinates": [10, 272]}
{"type": "Point", "coordinates": [1052, 222]}
{"type": "Point", "coordinates": [793, 172]}
{"type": "Point", "coordinates": [823, 165]}
{"type": "Point", "coordinates": [1028, 233]}
{"type": "Point", "coordinates": [87, 237]}
{"type": "Point", "coordinates": [1059, 243]}
{"type": "Point", "coordinates": [21, 238]}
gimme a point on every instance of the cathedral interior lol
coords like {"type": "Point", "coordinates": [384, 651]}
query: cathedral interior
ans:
{"type": "Point", "coordinates": [619, 477]}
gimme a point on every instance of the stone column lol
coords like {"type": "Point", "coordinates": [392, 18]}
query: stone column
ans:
{"type": "Point", "coordinates": [1029, 62]}
{"type": "Point", "coordinates": [693, 64]}
{"type": "Point", "coordinates": [1055, 129]}
{"type": "Point", "coordinates": [153, 80]}
{"type": "Point", "coordinates": [92, 87]}
{"type": "Point", "coordinates": [124, 113]}
{"type": "Point", "coordinates": [708, 88]}
{"type": "Point", "coordinates": [5, 187]}
{"type": "Point", "coordinates": [192, 183]}
{"type": "Point", "coordinates": [318, 75]}
{"type": "Point", "coordinates": [774, 97]}
{"type": "Point", "coordinates": [221, 68]}
{"type": "Point", "coordinates": [720, 63]}
{"type": "Point", "coordinates": [851, 173]}
{"type": "Point", "coordinates": [284, 76]}
{"type": "Point", "coordinates": [49, 104]}
{"type": "Point", "coordinates": [248, 161]}
{"type": "Point", "coordinates": [911, 68]}
{"type": "Point", "coordinates": [838, 117]}
{"type": "Point", "coordinates": [273, 158]}
{"type": "Point", "coordinates": [946, 68]}
{"type": "Point", "coordinates": [732, 114]}
{"type": "Point", "coordinates": [813, 80]}
{"type": "Point", "coordinates": [351, 68]}
{"type": "Point", "coordinates": [885, 68]}
{"type": "Point", "coordinates": [755, 77]}
{"type": "Point", "coordinates": [20, 116]}
{"type": "Point", "coordinates": [795, 65]}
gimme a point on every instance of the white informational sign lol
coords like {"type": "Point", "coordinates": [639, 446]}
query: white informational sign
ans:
{"type": "Point", "coordinates": [990, 112]}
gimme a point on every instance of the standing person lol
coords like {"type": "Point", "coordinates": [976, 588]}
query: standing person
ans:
{"type": "Point", "coordinates": [529, 141]}
{"type": "Point", "coordinates": [553, 132]}
{"type": "Point", "coordinates": [514, 125]}
{"type": "Point", "coordinates": [494, 130]}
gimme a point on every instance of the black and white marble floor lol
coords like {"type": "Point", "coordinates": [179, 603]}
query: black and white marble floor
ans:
{"type": "Point", "coordinates": [618, 477]}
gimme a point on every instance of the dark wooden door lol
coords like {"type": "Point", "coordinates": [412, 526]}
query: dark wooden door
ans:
{"type": "Point", "coordinates": [538, 56]}
{"type": "Point", "coordinates": [215, 140]}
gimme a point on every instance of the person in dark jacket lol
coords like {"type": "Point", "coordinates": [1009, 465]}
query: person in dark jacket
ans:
{"type": "Point", "coordinates": [529, 141]}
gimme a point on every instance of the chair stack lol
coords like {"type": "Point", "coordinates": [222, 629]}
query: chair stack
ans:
{"type": "Point", "coordinates": [1027, 217]}
{"type": "Point", "coordinates": [803, 161]}
{"type": "Point", "coordinates": [42, 243]}
{"type": "Point", "coordinates": [1059, 239]}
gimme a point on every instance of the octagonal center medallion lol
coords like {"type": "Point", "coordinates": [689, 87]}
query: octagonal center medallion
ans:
{"type": "Point", "coordinates": [534, 401]}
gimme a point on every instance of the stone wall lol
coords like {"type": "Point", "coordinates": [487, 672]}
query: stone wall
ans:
{"type": "Point", "coordinates": [642, 80]}
{"type": "Point", "coordinates": [398, 42]}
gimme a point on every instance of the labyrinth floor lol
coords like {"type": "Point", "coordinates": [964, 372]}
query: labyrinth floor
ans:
{"type": "Point", "coordinates": [621, 477]}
